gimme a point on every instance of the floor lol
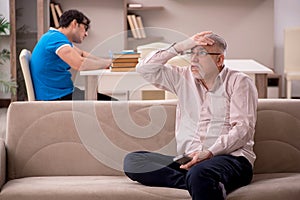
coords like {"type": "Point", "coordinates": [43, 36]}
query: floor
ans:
{"type": "Point", "coordinates": [3, 112]}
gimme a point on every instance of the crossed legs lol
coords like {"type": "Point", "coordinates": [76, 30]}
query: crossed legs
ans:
{"type": "Point", "coordinates": [210, 179]}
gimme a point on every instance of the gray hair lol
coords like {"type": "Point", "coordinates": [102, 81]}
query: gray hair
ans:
{"type": "Point", "coordinates": [219, 41]}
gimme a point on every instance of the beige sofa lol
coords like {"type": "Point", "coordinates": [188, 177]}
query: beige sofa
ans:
{"type": "Point", "coordinates": [74, 150]}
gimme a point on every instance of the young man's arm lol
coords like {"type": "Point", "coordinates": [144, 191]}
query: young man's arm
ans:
{"type": "Point", "coordinates": [81, 60]}
{"type": "Point", "coordinates": [85, 54]}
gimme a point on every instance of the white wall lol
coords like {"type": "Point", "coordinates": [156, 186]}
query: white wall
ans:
{"type": "Point", "coordinates": [286, 14]}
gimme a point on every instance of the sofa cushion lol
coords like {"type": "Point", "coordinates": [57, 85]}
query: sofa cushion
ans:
{"type": "Point", "coordinates": [277, 136]}
{"type": "Point", "coordinates": [277, 186]}
{"type": "Point", "coordinates": [263, 187]}
{"type": "Point", "coordinates": [87, 188]}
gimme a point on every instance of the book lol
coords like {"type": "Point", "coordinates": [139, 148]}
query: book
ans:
{"type": "Point", "coordinates": [54, 16]}
{"type": "Point", "coordinates": [141, 26]}
{"type": "Point", "coordinates": [127, 51]}
{"type": "Point", "coordinates": [131, 55]}
{"type": "Point", "coordinates": [125, 60]}
{"type": "Point", "coordinates": [132, 27]}
{"type": "Point", "coordinates": [122, 69]}
{"type": "Point", "coordinates": [124, 64]}
{"type": "Point", "coordinates": [135, 23]}
{"type": "Point", "coordinates": [58, 9]}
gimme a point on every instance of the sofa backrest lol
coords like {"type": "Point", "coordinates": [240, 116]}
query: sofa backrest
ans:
{"type": "Point", "coordinates": [84, 137]}
{"type": "Point", "coordinates": [92, 138]}
{"type": "Point", "coordinates": [277, 136]}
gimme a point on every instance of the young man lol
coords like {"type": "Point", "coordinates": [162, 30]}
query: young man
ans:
{"type": "Point", "coordinates": [215, 120]}
{"type": "Point", "coordinates": [54, 55]}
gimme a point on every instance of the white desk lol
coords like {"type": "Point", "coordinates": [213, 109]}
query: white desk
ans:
{"type": "Point", "coordinates": [114, 83]}
{"type": "Point", "coordinates": [122, 82]}
{"type": "Point", "coordinates": [251, 67]}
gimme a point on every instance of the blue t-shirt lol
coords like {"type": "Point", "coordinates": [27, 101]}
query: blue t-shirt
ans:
{"type": "Point", "coordinates": [50, 74]}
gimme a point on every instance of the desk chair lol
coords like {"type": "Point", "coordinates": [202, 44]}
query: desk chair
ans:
{"type": "Point", "coordinates": [24, 58]}
{"type": "Point", "coordinates": [291, 57]}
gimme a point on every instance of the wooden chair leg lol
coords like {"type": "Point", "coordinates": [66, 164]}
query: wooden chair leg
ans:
{"type": "Point", "coordinates": [289, 89]}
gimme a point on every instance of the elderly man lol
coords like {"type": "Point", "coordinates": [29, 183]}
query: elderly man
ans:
{"type": "Point", "coordinates": [215, 121]}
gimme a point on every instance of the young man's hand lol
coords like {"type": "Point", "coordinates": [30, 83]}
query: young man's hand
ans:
{"type": "Point", "coordinates": [197, 158]}
{"type": "Point", "coordinates": [197, 39]}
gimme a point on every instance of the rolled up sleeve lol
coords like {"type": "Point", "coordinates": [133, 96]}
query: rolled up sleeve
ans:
{"type": "Point", "coordinates": [155, 70]}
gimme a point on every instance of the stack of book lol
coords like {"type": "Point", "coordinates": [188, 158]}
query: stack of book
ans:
{"type": "Point", "coordinates": [124, 62]}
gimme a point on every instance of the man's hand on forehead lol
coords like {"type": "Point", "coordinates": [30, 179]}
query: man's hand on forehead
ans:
{"type": "Point", "coordinates": [195, 40]}
{"type": "Point", "coordinates": [202, 39]}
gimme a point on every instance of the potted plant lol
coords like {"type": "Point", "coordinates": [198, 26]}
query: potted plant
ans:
{"type": "Point", "coordinates": [5, 85]}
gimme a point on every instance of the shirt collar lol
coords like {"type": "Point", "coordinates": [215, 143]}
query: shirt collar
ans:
{"type": "Point", "coordinates": [53, 29]}
{"type": "Point", "coordinates": [219, 79]}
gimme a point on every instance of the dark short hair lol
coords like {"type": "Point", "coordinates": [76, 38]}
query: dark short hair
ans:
{"type": "Point", "coordinates": [68, 16]}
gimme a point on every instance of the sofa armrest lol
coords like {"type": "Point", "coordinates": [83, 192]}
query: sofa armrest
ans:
{"type": "Point", "coordinates": [2, 163]}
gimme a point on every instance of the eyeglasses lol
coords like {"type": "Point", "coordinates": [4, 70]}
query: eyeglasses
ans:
{"type": "Point", "coordinates": [86, 26]}
{"type": "Point", "coordinates": [201, 53]}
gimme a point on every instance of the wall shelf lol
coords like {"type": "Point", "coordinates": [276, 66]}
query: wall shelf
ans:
{"type": "Point", "coordinates": [146, 8]}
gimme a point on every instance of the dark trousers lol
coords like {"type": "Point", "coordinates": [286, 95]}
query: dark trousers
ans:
{"type": "Point", "coordinates": [210, 179]}
{"type": "Point", "coordinates": [79, 95]}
